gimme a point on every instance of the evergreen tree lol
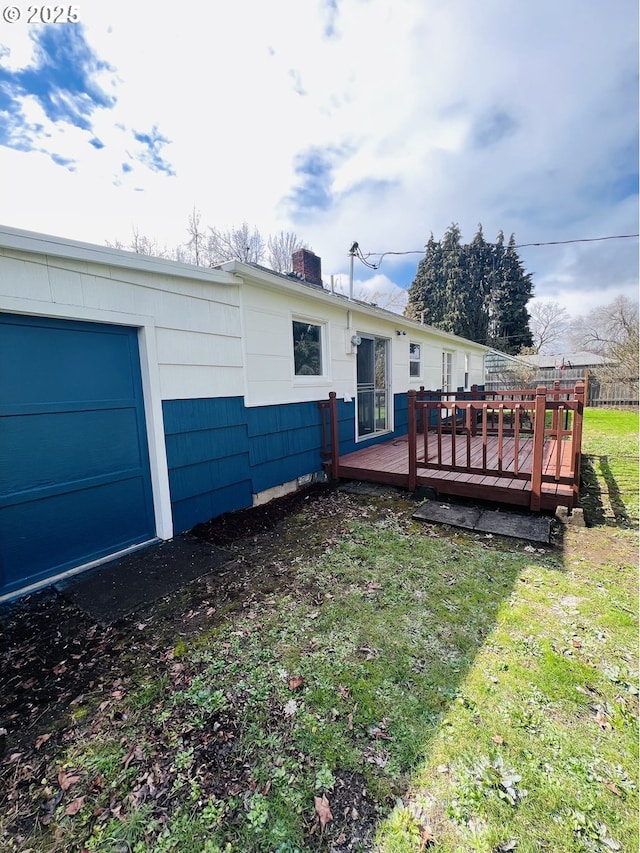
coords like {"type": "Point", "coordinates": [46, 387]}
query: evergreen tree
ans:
{"type": "Point", "coordinates": [453, 281]}
{"type": "Point", "coordinates": [479, 269]}
{"type": "Point", "coordinates": [479, 291]}
{"type": "Point", "coordinates": [426, 300]}
{"type": "Point", "coordinates": [512, 290]}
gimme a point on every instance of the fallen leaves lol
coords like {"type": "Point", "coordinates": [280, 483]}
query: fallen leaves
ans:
{"type": "Point", "coordinates": [48, 808]}
{"type": "Point", "coordinates": [42, 739]}
{"type": "Point", "coordinates": [295, 682]}
{"type": "Point", "coordinates": [602, 720]}
{"type": "Point", "coordinates": [133, 752]}
{"type": "Point", "coordinates": [66, 780]}
{"type": "Point", "coordinates": [74, 806]}
{"type": "Point", "coordinates": [380, 732]}
{"type": "Point", "coordinates": [323, 810]}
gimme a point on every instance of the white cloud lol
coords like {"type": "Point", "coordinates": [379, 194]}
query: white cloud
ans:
{"type": "Point", "coordinates": [519, 116]}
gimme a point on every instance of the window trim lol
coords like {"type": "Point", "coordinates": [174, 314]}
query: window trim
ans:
{"type": "Point", "coordinates": [447, 356]}
{"type": "Point", "coordinates": [417, 361]}
{"type": "Point", "coordinates": [310, 379]}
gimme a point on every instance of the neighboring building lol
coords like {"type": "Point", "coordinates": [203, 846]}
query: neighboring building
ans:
{"type": "Point", "coordinates": [140, 396]}
{"type": "Point", "coordinates": [505, 371]}
{"type": "Point", "coordinates": [565, 367]}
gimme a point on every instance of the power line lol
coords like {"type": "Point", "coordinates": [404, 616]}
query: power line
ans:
{"type": "Point", "coordinates": [580, 240]}
{"type": "Point", "coordinates": [374, 266]}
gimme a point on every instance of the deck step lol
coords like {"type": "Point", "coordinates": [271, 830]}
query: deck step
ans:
{"type": "Point", "coordinates": [530, 527]}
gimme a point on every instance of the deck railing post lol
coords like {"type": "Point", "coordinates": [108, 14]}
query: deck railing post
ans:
{"type": "Point", "coordinates": [556, 425]}
{"type": "Point", "coordinates": [587, 379]}
{"type": "Point", "coordinates": [412, 441]}
{"type": "Point", "coordinates": [576, 438]}
{"type": "Point", "coordinates": [335, 441]}
{"type": "Point", "coordinates": [538, 447]}
{"type": "Point", "coordinates": [421, 426]}
{"type": "Point", "coordinates": [474, 419]}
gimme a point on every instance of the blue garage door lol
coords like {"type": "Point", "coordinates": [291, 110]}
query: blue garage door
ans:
{"type": "Point", "coordinates": [74, 465]}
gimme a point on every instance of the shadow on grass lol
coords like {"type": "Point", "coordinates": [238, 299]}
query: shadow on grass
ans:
{"type": "Point", "coordinates": [595, 473]}
{"type": "Point", "coordinates": [382, 628]}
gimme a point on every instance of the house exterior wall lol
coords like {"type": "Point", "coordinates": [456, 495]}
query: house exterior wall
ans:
{"type": "Point", "coordinates": [227, 419]}
{"type": "Point", "coordinates": [268, 310]}
{"type": "Point", "coordinates": [188, 322]}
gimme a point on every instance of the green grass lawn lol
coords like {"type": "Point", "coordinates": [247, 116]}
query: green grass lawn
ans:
{"type": "Point", "coordinates": [610, 470]}
{"type": "Point", "coordinates": [407, 687]}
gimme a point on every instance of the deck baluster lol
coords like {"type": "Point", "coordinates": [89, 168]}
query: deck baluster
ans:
{"type": "Point", "coordinates": [412, 441]}
{"type": "Point", "coordinates": [538, 447]}
{"type": "Point", "coordinates": [516, 437]}
{"type": "Point", "coordinates": [485, 428]}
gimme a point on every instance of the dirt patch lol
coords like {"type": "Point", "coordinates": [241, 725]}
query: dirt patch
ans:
{"type": "Point", "coordinates": [65, 680]}
{"type": "Point", "coordinates": [233, 526]}
{"type": "Point", "coordinates": [51, 653]}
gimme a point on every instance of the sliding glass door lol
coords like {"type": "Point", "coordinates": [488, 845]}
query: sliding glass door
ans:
{"type": "Point", "coordinates": [373, 386]}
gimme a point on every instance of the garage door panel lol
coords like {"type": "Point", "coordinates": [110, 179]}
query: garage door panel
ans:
{"type": "Point", "coordinates": [65, 364]}
{"type": "Point", "coordinates": [78, 526]}
{"type": "Point", "coordinates": [75, 482]}
{"type": "Point", "coordinates": [63, 447]}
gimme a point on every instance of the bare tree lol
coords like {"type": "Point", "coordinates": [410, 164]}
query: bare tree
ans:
{"type": "Point", "coordinates": [235, 244]}
{"type": "Point", "coordinates": [549, 323]}
{"type": "Point", "coordinates": [392, 298]}
{"type": "Point", "coordinates": [281, 247]}
{"type": "Point", "coordinates": [218, 246]}
{"type": "Point", "coordinates": [197, 243]}
{"type": "Point", "coordinates": [144, 245]}
{"type": "Point", "coordinates": [612, 331]}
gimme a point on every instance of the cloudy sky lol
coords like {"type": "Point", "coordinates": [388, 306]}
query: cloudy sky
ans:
{"type": "Point", "coordinates": [371, 120]}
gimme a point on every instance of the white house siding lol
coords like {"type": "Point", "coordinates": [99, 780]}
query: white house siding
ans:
{"type": "Point", "coordinates": [268, 308]}
{"type": "Point", "coordinates": [188, 323]}
{"type": "Point", "coordinates": [227, 420]}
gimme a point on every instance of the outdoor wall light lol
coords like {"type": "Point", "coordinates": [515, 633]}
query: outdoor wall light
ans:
{"type": "Point", "coordinates": [400, 332]}
{"type": "Point", "coordinates": [356, 340]}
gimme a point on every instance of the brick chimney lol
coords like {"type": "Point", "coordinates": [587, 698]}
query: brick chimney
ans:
{"type": "Point", "coordinates": [307, 266]}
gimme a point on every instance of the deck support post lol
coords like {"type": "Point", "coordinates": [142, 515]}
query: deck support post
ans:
{"type": "Point", "coordinates": [335, 441]}
{"type": "Point", "coordinates": [412, 440]}
{"type": "Point", "coordinates": [576, 438]}
{"type": "Point", "coordinates": [538, 447]}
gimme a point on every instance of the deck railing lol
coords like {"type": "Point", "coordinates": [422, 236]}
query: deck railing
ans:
{"type": "Point", "coordinates": [330, 449]}
{"type": "Point", "coordinates": [538, 431]}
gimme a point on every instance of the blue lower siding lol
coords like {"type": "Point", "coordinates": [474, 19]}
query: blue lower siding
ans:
{"type": "Point", "coordinates": [220, 452]}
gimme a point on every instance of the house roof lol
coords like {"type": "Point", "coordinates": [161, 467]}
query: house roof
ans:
{"type": "Point", "coordinates": [568, 359]}
{"type": "Point", "coordinates": [293, 283]}
{"type": "Point", "coordinates": [46, 244]}
{"type": "Point", "coordinates": [228, 273]}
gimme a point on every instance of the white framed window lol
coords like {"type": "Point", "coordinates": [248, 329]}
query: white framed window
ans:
{"type": "Point", "coordinates": [309, 358]}
{"type": "Point", "coordinates": [447, 371]}
{"type": "Point", "coordinates": [415, 360]}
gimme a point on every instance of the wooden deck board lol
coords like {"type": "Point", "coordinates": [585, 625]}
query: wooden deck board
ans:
{"type": "Point", "coordinates": [388, 462]}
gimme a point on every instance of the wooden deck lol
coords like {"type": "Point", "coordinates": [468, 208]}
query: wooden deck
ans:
{"type": "Point", "coordinates": [522, 450]}
{"type": "Point", "coordinates": [389, 463]}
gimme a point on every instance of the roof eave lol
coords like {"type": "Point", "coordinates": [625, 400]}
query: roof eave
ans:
{"type": "Point", "coordinates": [292, 285]}
{"type": "Point", "coordinates": [59, 247]}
